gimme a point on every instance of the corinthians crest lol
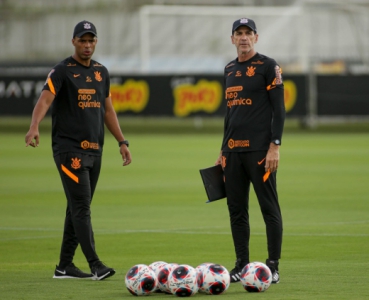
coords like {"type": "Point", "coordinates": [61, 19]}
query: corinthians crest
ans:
{"type": "Point", "coordinates": [98, 76]}
{"type": "Point", "coordinates": [250, 71]}
{"type": "Point", "coordinates": [76, 163]}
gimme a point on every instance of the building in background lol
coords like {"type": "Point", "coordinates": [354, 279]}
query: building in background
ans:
{"type": "Point", "coordinates": [170, 54]}
{"type": "Point", "coordinates": [177, 36]}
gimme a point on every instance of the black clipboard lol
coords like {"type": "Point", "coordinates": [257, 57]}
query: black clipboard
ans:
{"type": "Point", "coordinates": [212, 178]}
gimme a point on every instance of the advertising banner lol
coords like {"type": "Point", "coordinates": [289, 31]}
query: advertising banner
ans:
{"type": "Point", "coordinates": [19, 94]}
{"type": "Point", "coordinates": [343, 95]}
{"type": "Point", "coordinates": [152, 95]}
{"type": "Point", "coordinates": [183, 96]}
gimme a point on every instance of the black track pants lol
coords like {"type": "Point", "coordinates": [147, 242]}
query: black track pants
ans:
{"type": "Point", "coordinates": [79, 174]}
{"type": "Point", "coordinates": [241, 169]}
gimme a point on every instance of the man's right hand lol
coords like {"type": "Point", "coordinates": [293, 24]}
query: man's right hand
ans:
{"type": "Point", "coordinates": [32, 137]}
{"type": "Point", "coordinates": [42, 106]}
{"type": "Point", "coordinates": [219, 159]}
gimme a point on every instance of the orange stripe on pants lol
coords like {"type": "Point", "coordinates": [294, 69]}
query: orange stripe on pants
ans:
{"type": "Point", "coordinates": [69, 173]}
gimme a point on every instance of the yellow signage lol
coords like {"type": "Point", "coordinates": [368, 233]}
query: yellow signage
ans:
{"type": "Point", "coordinates": [290, 94]}
{"type": "Point", "coordinates": [132, 95]}
{"type": "Point", "coordinates": [204, 96]}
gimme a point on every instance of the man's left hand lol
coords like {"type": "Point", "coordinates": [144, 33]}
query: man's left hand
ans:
{"type": "Point", "coordinates": [272, 158]}
{"type": "Point", "coordinates": [126, 155]}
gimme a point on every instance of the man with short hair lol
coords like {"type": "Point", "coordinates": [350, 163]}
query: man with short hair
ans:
{"type": "Point", "coordinates": [253, 127]}
{"type": "Point", "coordinates": [79, 89]}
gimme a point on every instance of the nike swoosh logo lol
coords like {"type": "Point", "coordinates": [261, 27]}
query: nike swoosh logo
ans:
{"type": "Point", "coordinates": [230, 73]}
{"type": "Point", "coordinates": [76, 75]}
{"type": "Point", "coordinates": [260, 162]}
{"type": "Point", "coordinates": [61, 272]}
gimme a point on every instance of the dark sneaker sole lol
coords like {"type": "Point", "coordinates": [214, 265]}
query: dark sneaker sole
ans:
{"type": "Point", "coordinates": [235, 281]}
{"type": "Point", "coordinates": [104, 276]}
{"type": "Point", "coordinates": [71, 277]}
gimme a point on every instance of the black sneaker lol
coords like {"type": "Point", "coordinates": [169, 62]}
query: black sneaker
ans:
{"type": "Point", "coordinates": [235, 273]}
{"type": "Point", "coordinates": [100, 271]}
{"type": "Point", "coordinates": [70, 271]}
{"type": "Point", "coordinates": [275, 277]}
{"type": "Point", "coordinates": [273, 266]}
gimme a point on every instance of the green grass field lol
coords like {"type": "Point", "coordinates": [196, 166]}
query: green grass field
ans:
{"type": "Point", "coordinates": [155, 209]}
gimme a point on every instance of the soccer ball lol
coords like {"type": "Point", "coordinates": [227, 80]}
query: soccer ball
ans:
{"type": "Point", "coordinates": [215, 280]}
{"type": "Point", "coordinates": [256, 277]}
{"type": "Point", "coordinates": [163, 275]}
{"type": "Point", "coordinates": [156, 267]}
{"type": "Point", "coordinates": [199, 269]}
{"type": "Point", "coordinates": [141, 280]}
{"type": "Point", "coordinates": [182, 281]}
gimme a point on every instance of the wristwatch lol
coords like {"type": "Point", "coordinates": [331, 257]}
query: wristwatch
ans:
{"type": "Point", "coordinates": [277, 142]}
{"type": "Point", "coordinates": [125, 142]}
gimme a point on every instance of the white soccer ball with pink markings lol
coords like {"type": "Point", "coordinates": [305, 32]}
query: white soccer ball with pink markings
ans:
{"type": "Point", "coordinates": [163, 275]}
{"type": "Point", "coordinates": [156, 267]}
{"type": "Point", "coordinates": [256, 277]}
{"type": "Point", "coordinates": [215, 279]}
{"type": "Point", "coordinates": [140, 280]}
{"type": "Point", "coordinates": [182, 281]}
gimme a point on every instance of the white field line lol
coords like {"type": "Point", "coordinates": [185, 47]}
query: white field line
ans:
{"type": "Point", "coordinates": [285, 225]}
{"type": "Point", "coordinates": [23, 238]}
{"type": "Point", "coordinates": [171, 231]}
